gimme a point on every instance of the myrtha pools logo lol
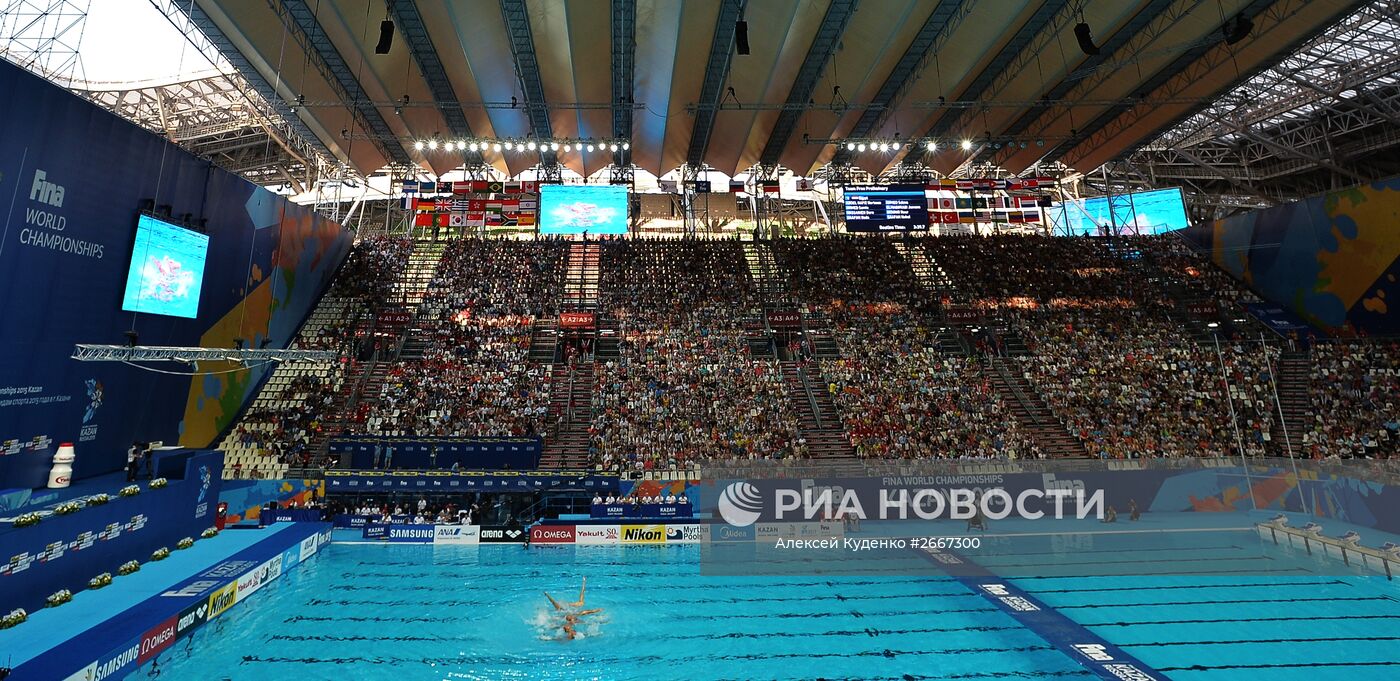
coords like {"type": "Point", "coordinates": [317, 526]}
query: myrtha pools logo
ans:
{"type": "Point", "coordinates": [740, 504]}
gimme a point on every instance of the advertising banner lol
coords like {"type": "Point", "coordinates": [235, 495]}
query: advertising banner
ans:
{"type": "Point", "coordinates": [457, 534]}
{"type": "Point", "coordinates": [223, 599]}
{"type": "Point", "coordinates": [644, 534]}
{"type": "Point", "coordinates": [686, 534]}
{"type": "Point", "coordinates": [597, 534]}
{"type": "Point", "coordinates": [552, 534]}
{"type": "Point", "coordinates": [496, 534]}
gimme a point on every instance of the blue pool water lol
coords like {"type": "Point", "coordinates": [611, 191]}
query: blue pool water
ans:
{"type": "Point", "coordinates": [408, 612]}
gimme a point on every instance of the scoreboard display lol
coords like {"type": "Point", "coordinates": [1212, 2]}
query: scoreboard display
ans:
{"type": "Point", "coordinates": [886, 208]}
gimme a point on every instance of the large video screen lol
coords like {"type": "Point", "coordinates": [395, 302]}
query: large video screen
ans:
{"type": "Point", "coordinates": [1148, 212]}
{"type": "Point", "coordinates": [887, 208]}
{"type": "Point", "coordinates": [167, 269]}
{"type": "Point", "coordinates": [575, 209]}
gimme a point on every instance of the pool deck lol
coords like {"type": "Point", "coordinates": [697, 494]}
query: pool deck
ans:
{"type": "Point", "coordinates": [99, 619]}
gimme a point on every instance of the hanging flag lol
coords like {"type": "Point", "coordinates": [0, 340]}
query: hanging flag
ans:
{"type": "Point", "coordinates": [461, 187]}
{"type": "Point", "coordinates": [527, 220]}
{"type": "Point", "coordinates": [965, 185]}
{"type": "Point", "coordinates": [962, 202]}
{"type": "Point", "coordinates": [948, 217]}
{"type": "Point", "coordinates": [736, 186]}
{"type": "Point", "coordinates": [510, 205]}
{"type": "Point", "coordinates": [530, 187]}
{"type": "Point", "coordinates": [410, 186]}
{"type": "Point", "coordinates": [495, 187]}
{"type": "Point", "coordinates": [458, 219]}
{"type": "Point", "coordinates": [1032, 216]}
{"type": "Point", "coordinates": [511, 187]}
{"type": "Point", "coordinates": [669, 186]}
{"type": "Point", "coordinates": [476, 219]}
{"type": "Point", "coordinates": [460, 205]}
{"type": "Point", "coordinates": [430, 220]}
{"type": "Point", "coordinates": [772, 187]}
{"type": "Point", "coordinates": [529, 204]}
{"type": "Point", "coordinates": [966, 217]}
{"type": "Point", "coordinates": [804, 184]}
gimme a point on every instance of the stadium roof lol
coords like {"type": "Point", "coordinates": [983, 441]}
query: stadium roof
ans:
{"type": "Point", "coordinates": [1008, 75]}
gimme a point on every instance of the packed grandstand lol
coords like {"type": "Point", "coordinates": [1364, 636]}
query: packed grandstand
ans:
{"type": "Point", "coordinates": [1079, 347]}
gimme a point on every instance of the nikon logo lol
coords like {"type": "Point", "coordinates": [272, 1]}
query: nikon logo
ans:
{"type": "Point", "coordinates": [642, 534]}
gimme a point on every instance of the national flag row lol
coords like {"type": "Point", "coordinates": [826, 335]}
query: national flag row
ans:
{"type": "Point", "coordinates": [517, 204]}
{"type": "Point", "coordinates": [471, 187]}
{"type": "Point", "coordinates": [474, 219]}
{"type": "Point", "coordinates": [973, 202]}
{"type": "Point", "coordinates": [971, 216]}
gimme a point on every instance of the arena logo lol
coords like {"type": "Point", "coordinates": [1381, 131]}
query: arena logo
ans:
{"type": "Point", "coordinates": [742, 504]}
{"type": "Point", "coordinates": [191, 618]}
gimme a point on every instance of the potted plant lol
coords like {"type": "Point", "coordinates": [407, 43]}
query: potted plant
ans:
{"type": "Point", "coordinates": [130, 491]}
{"type": "Point", "coordinates": [210, 532]}
{"type": "Point", "coordinates": [27, 519]}
{"type": "Point", "coordinates": [15, 617]}
{"type": "Point", "coordinates": [128, 567]}
{"type": "Point", "coordinates": [184, 543]}
{"type": "Point", "coordinates": [67, 507]}
{"type": "Point", "coordinates": [58, 598]}
{"type": "Point", "coordinates": [159, 483]}
{"type": "Point", "coordinates": [160, 554]}
{"type": "Point", "coordinates": [100, 581]}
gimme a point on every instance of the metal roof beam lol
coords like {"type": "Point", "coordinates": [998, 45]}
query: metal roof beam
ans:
{"type": "Point", "coordinates": [998, 65]}
{"type": "Point", "coordinates": [624, 62]}
{"type": "Point", "coordinates": [300, 20]}
{"type": "Point", "coordinates": [410, 23]}
{"type": "Point", "coordinates": [834, 22]}
{"type": "Point", "coordinates": [941, 24]}
{"type": "Point", "coordinates": [527, 66]}
{"type": "Point", "coordinates": [716, 72]}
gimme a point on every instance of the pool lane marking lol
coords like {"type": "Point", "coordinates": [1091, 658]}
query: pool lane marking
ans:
{"type": "Point", "coordinates": [1275, 585]}
{"type": "Point", "coordinates": [1244, 620]}
{"type": "Point", "coordinates": [1095, 653]}
{"type": "Point", "coordinates": [1235, 601]}
{"type": "Point", "coordinates": [1247, 641]}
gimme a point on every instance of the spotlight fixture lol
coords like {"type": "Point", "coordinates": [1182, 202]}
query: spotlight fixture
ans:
{"type": "Point", "coordinates": [895, 146]}
{"type": "Point", "coordinates": [626, 146]}
{"type": "Point", "coordinates": [530, 145]}
{"type": "Point", "coordinates": [554, 146]}
{"type": "Point", "coordinates": [860, 147]}
{"type": "Point", "coordinates": [931, 145]}
{"type": "Point", "coordinates": [613, 147]}
{"type": "Point", "coordinates": [966, 144]}
{"type": "Point", "coordinates": [850, 146]}
{"type": "Point", "coordinates": [418, 146]}
{"type": "Point", "coordinates": [496, 147]}
{"type": "Point", "coordinates": [386, 37]}
{"type": "Point", "coordinates": [473, 146]}
{"type": "Point", "coordinates": [432, 145]}
{"type": "Point", "coordinates": [590, 148]}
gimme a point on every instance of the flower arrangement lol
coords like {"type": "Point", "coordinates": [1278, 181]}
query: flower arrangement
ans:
{"type": "Point", "coordinates": [58, 598]}
{"type": "Point", "coordinates": [184, 543]}
{"type": "Point", "coordinates": [130, 491]}
{"type": "Point", "coordinates": [67, 507]}
{"type": "Point", "coordinates": [159, 483]}
{"type": "Point", "coordinates": [209, 533]}
{"type": "Point", "coordinates": [15, 617]}
{"type": "Point", "coordinates": [160, 554]}
{"type": "Point", "coordinates": [128, 567]}
{"type": "Point", "coordinates": [100, 581]}
{"type": "Point", "coordinates": [27, 519]}
{"type": "Point", "coordinates": [98, 499]}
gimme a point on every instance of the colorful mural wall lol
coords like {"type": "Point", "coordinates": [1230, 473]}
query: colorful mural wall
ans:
{"type": "Point", "coordinates": [1333, 259]}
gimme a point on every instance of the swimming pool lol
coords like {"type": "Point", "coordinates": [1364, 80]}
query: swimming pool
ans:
{"type": "Point", "coordinates": [408, 612]}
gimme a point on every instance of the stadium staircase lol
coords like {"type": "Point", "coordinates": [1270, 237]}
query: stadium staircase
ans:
{"type": "Point", "coordinates": [544, 342]}
{"type": "Point", "coordinates": [1030, 410]}
{"type": "Point", "coordinates": [757, 337]}
{"type": "Point", "coordinates": [951, 342]}
{"type": "Point", "coordinates": [581, 277]}
{"type": "Point", "coordinates": [1294, 380]}
{"type": "Point", "coordinates": [818, 421]}
{"type": "Point", "coordinates": [768, 277]}
{"type": "Point", "coordinates": [820, 333]}
{"type": "Point", "coordinates": [927, 271]}
{"type": "Point", "coordinates": [571, 407]}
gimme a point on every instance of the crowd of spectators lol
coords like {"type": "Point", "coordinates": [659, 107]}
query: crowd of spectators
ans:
{"type": "Point", "coordinates": [684, 387]}
{"type": "Point", "coordinates": [473, 379]}
{"type": "Point", "coordinates": [1355, 400]}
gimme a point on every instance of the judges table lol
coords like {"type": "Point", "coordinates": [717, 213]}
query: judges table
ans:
{"type": "Point", "coordinates": [641, 511]}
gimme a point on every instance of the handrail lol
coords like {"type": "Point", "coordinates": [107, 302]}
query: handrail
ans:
{"type": "Point", "coordinates": [811, 398]}
{"type": "Point", "coordinates": [1015, 391]}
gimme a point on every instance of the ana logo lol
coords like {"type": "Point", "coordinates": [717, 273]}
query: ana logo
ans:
{"type": "Point", "coordinates": [44, 191]}
{"type": "Point", "coordinates": [1093, 651]}
{"type": "Point", "coordinates": [739, 504]}
{"type": "Point", "coordinates": [94, 394]}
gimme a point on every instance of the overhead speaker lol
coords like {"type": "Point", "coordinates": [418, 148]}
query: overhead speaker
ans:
{"type": "Point", "coordinates": [741, 37]}
{"type": "Point", "coordinates": [1086, 39]}
{"type": "Point", "coordinates": [1236, 29]}
{"type": "Point", "coordinates": [386, 37]}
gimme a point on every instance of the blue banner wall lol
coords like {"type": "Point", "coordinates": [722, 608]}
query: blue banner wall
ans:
{"type": "Point", "coordinates": [72, 179]}
{"type": "Point", "coordinates": [65, 551]}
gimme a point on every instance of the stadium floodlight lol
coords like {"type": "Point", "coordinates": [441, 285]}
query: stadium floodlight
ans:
{"type": "Point", "coordinates": [860, 147]}
{"type": "Point", "coordinates": [496, 147]}
{"type": "Point", "coordinates": [613, 147]}
{"type": "Point", "coordinates": [432, 145]}
{"type": "Point", "coordinates": [590, 148]}
{"type": "Point", "coordinates": [418, 146]}
{"type": "Point", "coordinates": [850, 146]}
{"type": "Point", "coordinates": [473, 146]}
{"type": "Point", "coordinates": [895, 146]}
{"type": "Point", "coordinates": [931, 145]}
{"type": "Point", "coordinates": [884, 146]}
{"type": "Point", "coordinates": [530, 145]}
{"type": "Point", "coordinates": [567, 148]}
{"type": "Point", "coordinates": [626, 146]}
{"type": "Point", "coordinates": [554, 146]}
{"type": "Point", "coordinates": [966, 144]}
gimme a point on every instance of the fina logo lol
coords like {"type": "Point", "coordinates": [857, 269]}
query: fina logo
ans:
{"type": "Point", "coordinates": [44, 191]}
{"type": "Point", "coordinates": [740, 504]}
{"type": "Point", "coordinates": [204, 481]}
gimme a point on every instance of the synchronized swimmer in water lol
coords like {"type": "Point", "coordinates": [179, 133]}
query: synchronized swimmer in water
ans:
{"type": "Point", "coordinates": [573, 613]}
